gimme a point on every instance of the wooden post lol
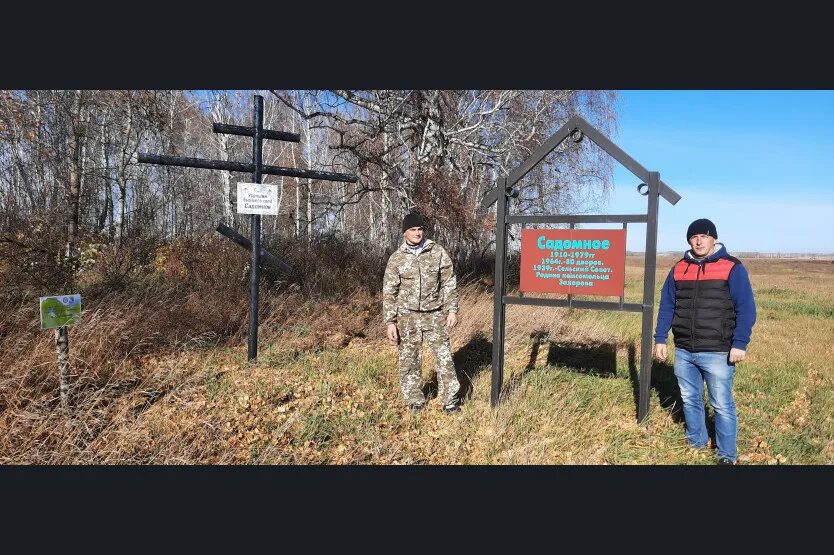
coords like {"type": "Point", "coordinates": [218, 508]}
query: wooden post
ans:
{"type": "Point", "coordinates": [499, 289]}
{"type": "Point", "coordinates": [650, 266]}
{"type": "Point", "coordinates": [62, 348]}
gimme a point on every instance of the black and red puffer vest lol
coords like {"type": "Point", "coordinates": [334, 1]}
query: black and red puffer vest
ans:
{"type": "Point", "coordinates": [705, 317]}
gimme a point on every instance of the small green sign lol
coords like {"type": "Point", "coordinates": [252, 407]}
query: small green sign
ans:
{"type": "Point", "coordinates": [59, 311]}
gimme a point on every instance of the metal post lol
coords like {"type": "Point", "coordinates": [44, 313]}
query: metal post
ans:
{"type": "Point", "coordinates": [62, 349]}
{"type": "Point", "coordinates": [622, 297]}
{"type": "Point", "coordinates": [520, 292]}
{"type": "Point", "coordinates": [650, 266]}
{"type": "Point", "coordinates": [498, 294]}
{"type": "Point", "coordinates": [570, 297]}
{"type": "Point", "coordinates": [257, 160]}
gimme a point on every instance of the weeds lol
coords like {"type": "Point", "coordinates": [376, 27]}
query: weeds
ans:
{"type": "Point", "coordinates": [160, 376]}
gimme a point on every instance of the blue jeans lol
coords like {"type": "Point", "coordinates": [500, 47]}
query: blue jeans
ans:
{"type": "Point", "coordinates": [691, 370]}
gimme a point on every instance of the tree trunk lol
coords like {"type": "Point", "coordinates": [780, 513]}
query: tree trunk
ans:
{"type": "Point", "coordinates": [122, 201]}
{"type": "Point", "coordinates": [108, 193]}
{"type": "Point", "coordinates": [74, 192]}
{"type": "Point", "coordinates": [309, 210]}
{"type": "Point", "coordinates": [123, 174]}
{"type": "Point", "coordinates": [62, 350]}
{"type": "Point", "coordinates": [229, 198]}
{"type": "Point", "coordinates": [386, 201]}
{"type": "Point", "coordinates": [297, 190]}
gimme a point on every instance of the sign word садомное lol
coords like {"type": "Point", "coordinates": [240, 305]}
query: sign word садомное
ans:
{"type": "Point", "coordinates": [573, 261]}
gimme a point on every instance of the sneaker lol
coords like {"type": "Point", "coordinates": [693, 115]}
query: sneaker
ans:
{"type": "Point", "coordinates": [725, 460]}
{"type": "Point", "coordinates": [453, 407]}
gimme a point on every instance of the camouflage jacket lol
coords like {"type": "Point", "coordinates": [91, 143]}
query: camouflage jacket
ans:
{"type": "Point", "coordinates": [425, 281]}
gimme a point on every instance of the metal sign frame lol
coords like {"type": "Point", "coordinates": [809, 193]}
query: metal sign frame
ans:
{"type": "Point", "coordinates": [576, 128]}
{"type": "Point", "coordinates": [257, 169]}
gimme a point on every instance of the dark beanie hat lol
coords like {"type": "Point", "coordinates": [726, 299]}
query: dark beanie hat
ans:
{"type": "Point", "coordinates": [413, 220]}
{"type": "Point", "coordinates": [702, 226]}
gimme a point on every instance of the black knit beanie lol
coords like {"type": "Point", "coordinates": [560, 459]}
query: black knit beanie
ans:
{"type": "Point", "coordinates": [702, 226]}
{"type": "Point", "coordinates": [413, 220]}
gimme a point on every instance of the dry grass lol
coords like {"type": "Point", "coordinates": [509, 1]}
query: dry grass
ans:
{"type": "Point", "coordinates": [160, 379]}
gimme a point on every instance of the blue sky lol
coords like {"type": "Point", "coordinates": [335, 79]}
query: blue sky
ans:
{"type": "Point", "coordinates": [759, 164]}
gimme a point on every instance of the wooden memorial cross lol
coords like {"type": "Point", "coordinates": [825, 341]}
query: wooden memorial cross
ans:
{"type": "Point", "coordinates": [257, 169]}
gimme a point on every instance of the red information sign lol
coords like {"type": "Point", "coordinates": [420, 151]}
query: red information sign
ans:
{"type": "Point", "coordinates": [575, 261]}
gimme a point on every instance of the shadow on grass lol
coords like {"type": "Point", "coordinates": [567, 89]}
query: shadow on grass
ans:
{"type": "Point", "coordinates": [597, 359]}
{"type": "Point", "coordinates": [430, 388]}
{"type": "Point", "coordinates": [663, 381]}
{"type": "Point", "coordinates": [470, 360]}
{"type": "Point", "coordinates": [509, 386]}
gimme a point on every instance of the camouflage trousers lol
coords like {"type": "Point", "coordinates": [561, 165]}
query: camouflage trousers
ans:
{"type": "Point", "coordinates": [414, 327]}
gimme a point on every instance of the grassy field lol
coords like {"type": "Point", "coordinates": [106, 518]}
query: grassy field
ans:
{"type": "Point", "coordinates": [325, 388]}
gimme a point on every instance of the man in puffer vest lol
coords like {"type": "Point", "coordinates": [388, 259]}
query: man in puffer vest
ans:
{"type": "Point", "coordinates": [708, 303]}
{"type": "Point", "coordinates": [420, 301]}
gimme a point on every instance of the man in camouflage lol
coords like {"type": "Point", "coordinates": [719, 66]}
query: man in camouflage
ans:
{"type": "Point", "coordinates": [420, 301]}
